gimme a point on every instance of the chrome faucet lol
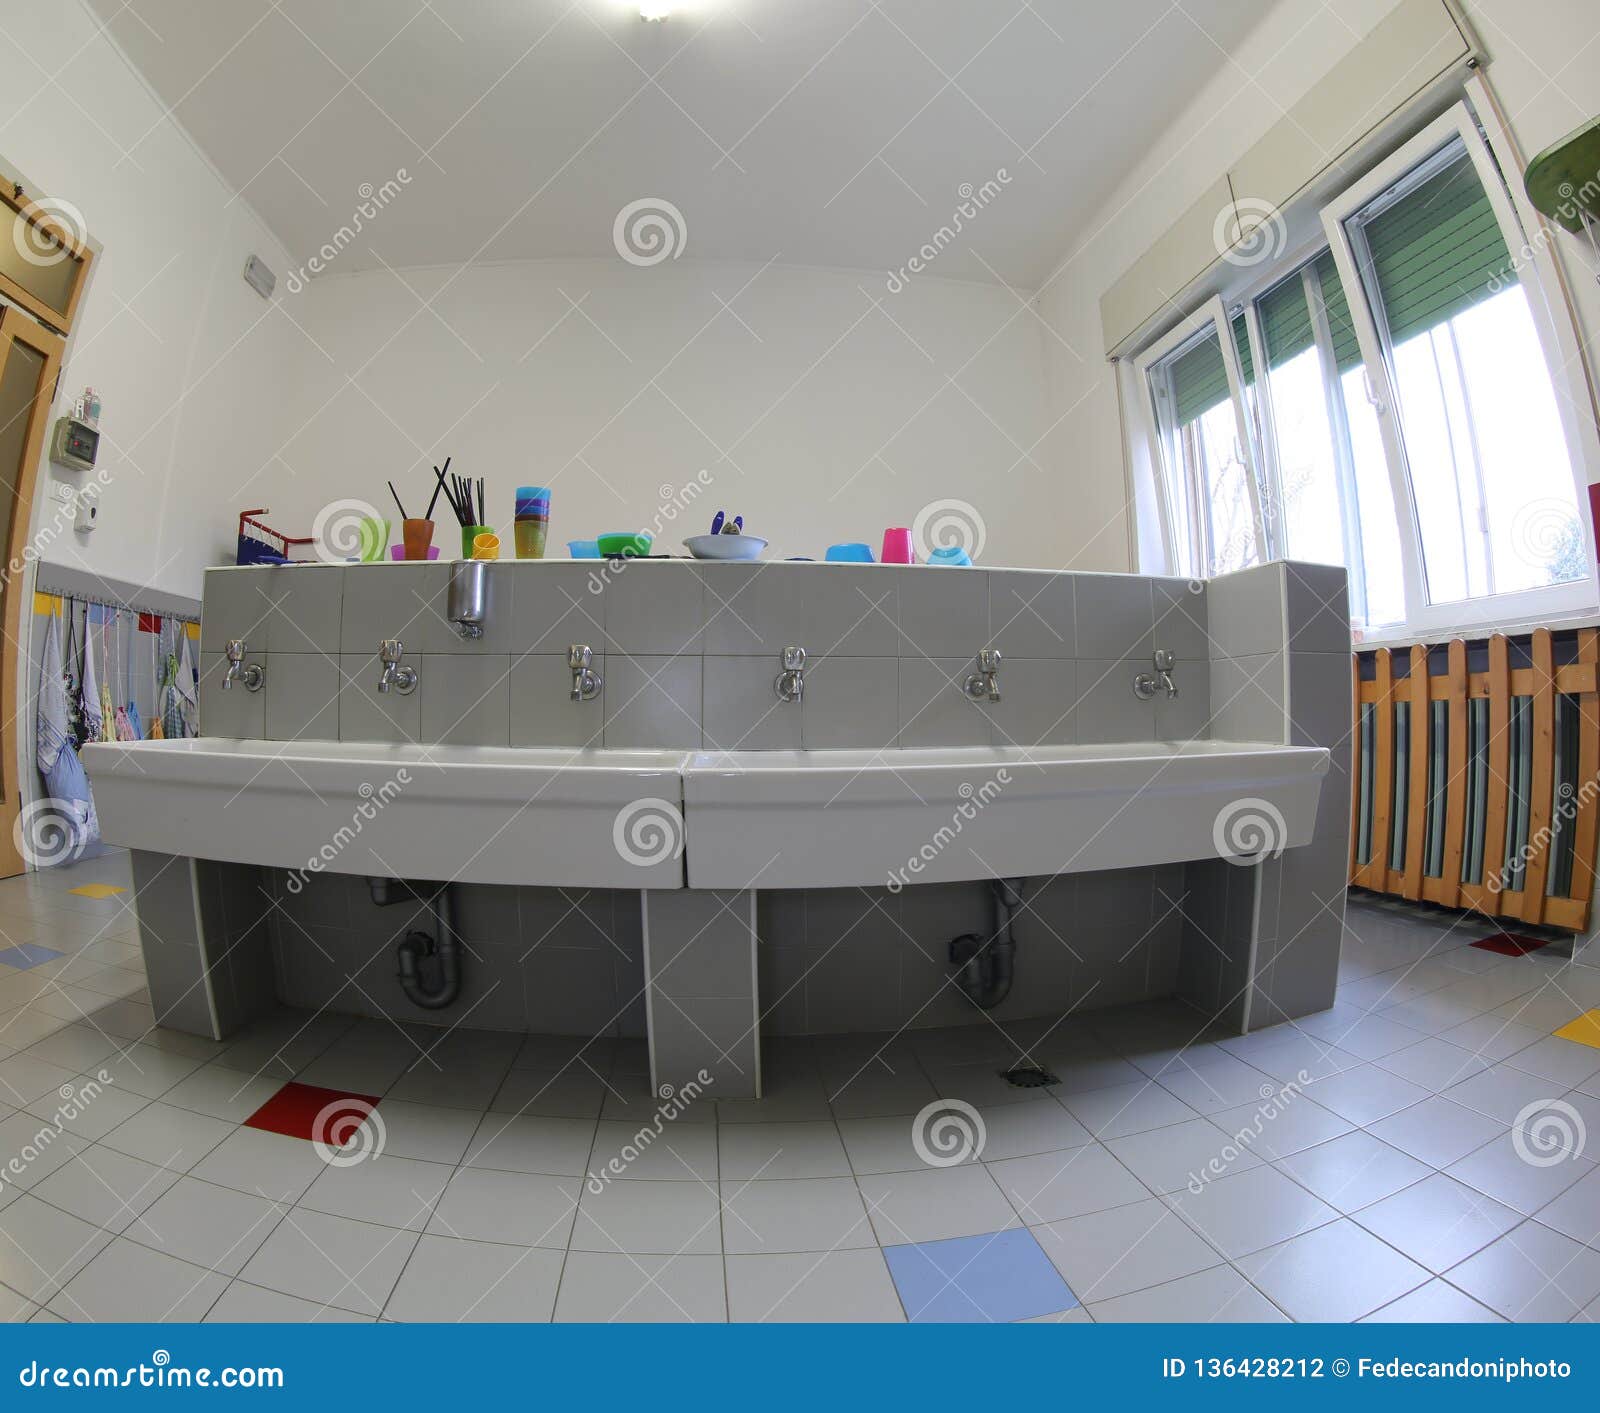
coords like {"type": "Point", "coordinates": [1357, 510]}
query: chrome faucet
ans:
{"type": "Point", "coordinates": [1147, 684]}
{"type": "Point", "coordinates": [254, 676]}
{"type": "Point", "coordinates": [790, 684]}
{"type": "Point", "coordinates": [984, 684]}
{"type": "Point", "coordinates": [586, 682]}
{"type": "Point", "coordinates": [401, 679]}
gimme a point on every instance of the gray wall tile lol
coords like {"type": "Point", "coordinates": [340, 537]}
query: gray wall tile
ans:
{"type": "Point", "coordinates": [1115, 614]}
{"type": "Point", "coordinates": [653, 703]}
{"type": "Point", "coordinates": [302, 697]}
{"type": "Point", "coordinates": [1247, 698]}
{"type": "Point", "coordinates": [1245, 612]}
{"type": "Point", "coordinates": [232, 606]}
{"type": "Point", "coordinates": [1317, 599]}
{"type": "Point", "coordinates": [388, 601]}
{"type": "Point", "coordinates": [305, 603]}
{"type": "Point", "coordinates": [1107, 709]}
{"type": "Point", "coordinates": [1032, 614]}
{"type": "Point", "coordinates": [466, 701]}
{"type": "Point", "coordinates": [1181, 620]}
{"type": "Point", "coordinates": [654, 607]}
{"type": "Point", "coordinates": [851, 702]}
{"type": "Point", "coordinates": [742, 709]}
{"type": "Point", "coordinates": [942, 614]}
{"type": "Point", "coordinates": [1038, 703]}
{"type": "Point", "coordinates": [237, 711]}
{"type": "Point", "coordinates": [555, 604]}
{"type": "Point", "coordinates": [934, 707]}
{"type": "Point", "coordinates": [542, 710]}
{"type": "Point", "coordinates": [364, 714]}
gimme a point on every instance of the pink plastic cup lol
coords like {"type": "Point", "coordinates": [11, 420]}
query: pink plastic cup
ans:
{"type": "Point", "coordinates": [897, 547]}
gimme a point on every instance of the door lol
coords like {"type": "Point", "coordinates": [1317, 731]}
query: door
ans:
{"type": "Point", "coordinates": [30, 357]}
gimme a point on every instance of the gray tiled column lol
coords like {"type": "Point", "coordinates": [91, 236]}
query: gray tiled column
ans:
{"type": "Point", "coordinates": [700, 990]}
{"type": "Point", "coordinates": [1262, 944]}
{"type": "Point", "coordinates": [205, 939]}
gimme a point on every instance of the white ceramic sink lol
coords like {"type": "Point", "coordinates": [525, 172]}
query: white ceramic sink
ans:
{"type": "Point", "coordinates": [816, 819]}
{"type": "Point", "coordinates": [477, 814]}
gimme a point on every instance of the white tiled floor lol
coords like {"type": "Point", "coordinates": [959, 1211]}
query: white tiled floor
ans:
{"type": "Point", "coordinates": [1170, 1175]}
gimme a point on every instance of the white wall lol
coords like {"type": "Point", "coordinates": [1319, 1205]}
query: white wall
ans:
{"type": "Point", "coordinates": [191, 365]}
{"type": "Point", "coordinates": [1538, 69]}
{"type": "Point", "coordinates": [823, 407]}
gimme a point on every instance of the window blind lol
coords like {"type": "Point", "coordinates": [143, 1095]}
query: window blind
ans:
{"type": "Point", "coordinates": [1200, 378]}
{"type": "Point", "coordinates": [1346, 347]}
{"type": "Point", "coordinates": [1437, 251]}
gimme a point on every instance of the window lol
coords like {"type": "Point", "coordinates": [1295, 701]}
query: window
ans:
{"type": "Point", "coordinates": [1386, 403]}
{"type": "Point", "coordinates": [1196, 387]}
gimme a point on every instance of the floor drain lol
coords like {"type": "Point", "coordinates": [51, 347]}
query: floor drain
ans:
{"type": "Point", "coordinates": [1028, 1077]}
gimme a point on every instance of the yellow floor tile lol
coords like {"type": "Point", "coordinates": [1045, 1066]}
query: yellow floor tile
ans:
{"type": "Point", "coordinates": [97, 890]}
{"type": "Point", "coordinates": [1585, 1030]}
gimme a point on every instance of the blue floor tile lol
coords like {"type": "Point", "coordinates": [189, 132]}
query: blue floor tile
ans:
{"type": "Point", "coordinates": [27, 954]}
{"type": "Point", "coordinates": [994, 1278]}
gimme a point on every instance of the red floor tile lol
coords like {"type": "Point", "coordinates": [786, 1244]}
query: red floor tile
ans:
{"type": "Point", "coordinates": [295, 1109]}
{"type": "Point", "coordinates": [1512, 944]}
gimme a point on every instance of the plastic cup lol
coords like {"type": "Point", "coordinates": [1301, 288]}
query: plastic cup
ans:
{"type": "Point", "coordinates": [469, 536]}
{"type": "Point", "coordinates": [897, 546]}
{"type": "Point", "coordinates": [416, 536]}
{"type": "Point", "coordinates": [486, 546]}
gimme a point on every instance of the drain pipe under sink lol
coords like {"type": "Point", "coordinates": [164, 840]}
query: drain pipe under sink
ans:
{"type": "Point", "coordinates": [985, 968]}
{"type": "Point", "coordinates": [445, 949]}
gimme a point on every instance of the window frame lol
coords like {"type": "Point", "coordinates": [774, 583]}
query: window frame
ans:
{"type": "Point", "coordinates": [1403, 165]}
{"type": "Point", "coordinates": [1187, 329]}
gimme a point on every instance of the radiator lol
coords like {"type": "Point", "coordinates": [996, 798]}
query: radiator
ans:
{"type": "Point", "coordinates": [1476, 777]}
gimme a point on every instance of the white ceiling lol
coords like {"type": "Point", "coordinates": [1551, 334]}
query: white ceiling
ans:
{"type": "Point", "coordinates": [816, 132]}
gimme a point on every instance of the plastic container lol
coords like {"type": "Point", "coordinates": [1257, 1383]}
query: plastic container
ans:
{"type": "Point", "coordinates": [469, 534]}
{"type": "Point", "coordinates": [852, 553]}
{"type": "Point", "coordinates": [584, 549]}
{"type": "Point", "coordinates": [416, 538]}
{"type": "Point", "coordinates": [533, 521]}
{"type": "Point", "coordinates": [897, 546]}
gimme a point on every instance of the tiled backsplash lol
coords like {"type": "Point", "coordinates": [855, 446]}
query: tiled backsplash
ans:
{"type": "Point", "coordinates": [688, 653]}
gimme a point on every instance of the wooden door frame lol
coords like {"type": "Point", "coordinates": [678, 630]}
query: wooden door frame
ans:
{"type": "Point", "coordinates": [16, 579]}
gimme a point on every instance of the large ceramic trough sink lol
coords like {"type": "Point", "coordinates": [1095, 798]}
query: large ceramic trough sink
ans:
{"type": "Point", "coordinates": [817, 819]}
{"type": "Point", "coordinates": [476, 814]}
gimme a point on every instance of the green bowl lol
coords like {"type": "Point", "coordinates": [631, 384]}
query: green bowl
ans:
{"type": "Point", "coordinates": [633, 546]}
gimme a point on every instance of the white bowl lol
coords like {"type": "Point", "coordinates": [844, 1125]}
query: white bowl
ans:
{"type": "Point", "coordinates": [725, 546]}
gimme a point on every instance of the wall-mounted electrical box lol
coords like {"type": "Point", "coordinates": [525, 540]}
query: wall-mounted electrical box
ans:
{"type": "Point", "coordinates": [74, 444]}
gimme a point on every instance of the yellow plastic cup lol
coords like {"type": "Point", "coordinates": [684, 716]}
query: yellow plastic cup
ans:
{"type": "Point", "coordinates": [486, 546]}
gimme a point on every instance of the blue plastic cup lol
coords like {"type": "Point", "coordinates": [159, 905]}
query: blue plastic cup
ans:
{"type": "Point", "coordinates": [584, 549]}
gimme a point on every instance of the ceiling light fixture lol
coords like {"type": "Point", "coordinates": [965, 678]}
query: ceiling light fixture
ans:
{"type": "Point", "coordinates": [654, 9]}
